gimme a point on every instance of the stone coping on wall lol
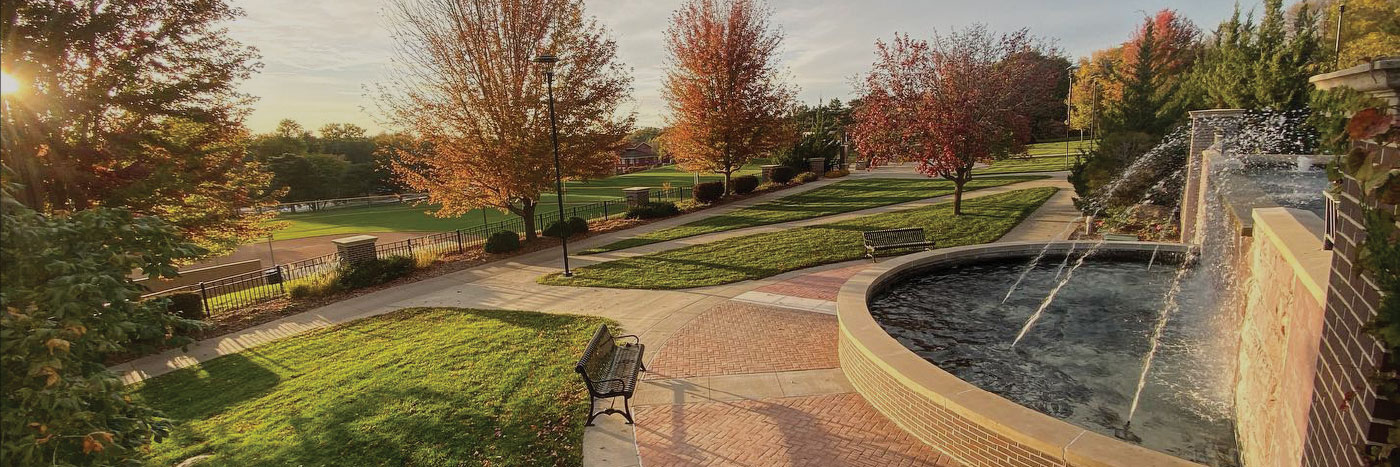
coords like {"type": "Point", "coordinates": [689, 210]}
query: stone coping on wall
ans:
{"type": "Point", "coordinates": [1297, 235]}
{"type": "Point", "coordinates": [974, 426]}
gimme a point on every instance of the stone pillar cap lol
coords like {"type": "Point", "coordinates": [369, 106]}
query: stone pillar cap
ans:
{"type": "Point", "coordinates": [636, 188]}
{"type": "Point", "coordinates": [355, 240]}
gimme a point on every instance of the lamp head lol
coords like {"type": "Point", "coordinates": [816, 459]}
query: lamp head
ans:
{"type": "Point", "coordinates": [546, 59]}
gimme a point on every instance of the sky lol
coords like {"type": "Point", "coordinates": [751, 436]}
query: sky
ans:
{"type": "Point", "coordinates": [321, 57]}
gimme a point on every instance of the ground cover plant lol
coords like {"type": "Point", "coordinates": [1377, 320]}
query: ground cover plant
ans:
{"type": "Point", "coordinates": [843, 196]}
{"type": "Point", "coordinates": [413, 218]}
{"type": "Point", "coordinates": [756, 256]}
{"type": "Point", "coordinates": [432, 386]}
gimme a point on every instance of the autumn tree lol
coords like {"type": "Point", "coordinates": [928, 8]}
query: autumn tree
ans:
{"type": "Point", "coordinates": [1153, 73]}
{"type": "Point", "coordinates": [1370, 30]}
{"type": "Point", "coordinates": [466, 85]}
{"type": "Point", "coordinates": [131, 104]}
{"type": "Point", "coordinates": [950, 103]}
{"type": "Point", "coordinates": [1094, 85]}
{"type": "Point", "coordinates": [724, 86]}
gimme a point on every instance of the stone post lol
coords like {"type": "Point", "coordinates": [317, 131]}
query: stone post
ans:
{"type": "Point", "coordinates": [817, 165]}
{"type": "Point", "coordinates": [637, 196]}
{"type": "Point", "coordinates": [355, 249]}
{"type": "Point", "coordinates": [768, 171]}
{"type": "Point", "coordinates": [1206, 125]}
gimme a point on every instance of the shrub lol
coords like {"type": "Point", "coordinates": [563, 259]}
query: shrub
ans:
{"type": "Point", "coordinates": [188, 305]}
{"type": "Point", "coordinates": [374, 272]}
{"type": "Point", "coordinates": [425, 258]}
{"type": "Point", "coordinates": [838, 173]}
{"type": "Point", "coordinates": [766, 186]}
{"type": "Point", "coordinates": [687, 205]}
{"type": "Point", "coordinates": [576, 225]}
{"type": "Point", "coordinates": [502, 242]}
{"type": "Point", "coordinates": [745, 184]}
{"type": "Point", "coordinates": [782, 174]}
{"type": "Point", "coordinates": [806, 177]}
{"type": "Point", "coordinates": [708, 192]}
{"type": "Point", "coordinates": [315, 286]}
{"type": "Point", "coordinates": [653, 210]}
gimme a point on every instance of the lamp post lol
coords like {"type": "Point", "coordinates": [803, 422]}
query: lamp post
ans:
{"type": "Point", "coordinates": [1069, 102]}
{"type": "Point", "coordinates": [548, 61]}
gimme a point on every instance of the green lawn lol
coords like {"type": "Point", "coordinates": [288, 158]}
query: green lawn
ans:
{"type": "Point", "coordinates": [1044, 149]}
{"type": "Point", "coordinates": [1026, 165]}
{"type": "Point", "coordinates": [435, 386]}
{"type": "Point", "coordinates": [756, 256]}
{"type": "Point", "coordinates": [843, 196]}
{"type": "Point", "coordinates": [410, 218]}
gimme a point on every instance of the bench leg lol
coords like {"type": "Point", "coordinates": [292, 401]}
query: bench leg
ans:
{"type": "Point", "coordinates": [625, 413]}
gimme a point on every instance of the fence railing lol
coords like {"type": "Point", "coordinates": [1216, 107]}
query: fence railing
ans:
{"type": "Point", "coordinates": [359, 201]}
{"type": "Point", "coordinates": [243, 290]}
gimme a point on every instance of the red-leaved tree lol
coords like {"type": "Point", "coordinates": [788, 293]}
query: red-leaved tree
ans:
{"type": "Point", "coordinates": [724, 86]}
{"type": "Point", "coordinates": [952, 102]}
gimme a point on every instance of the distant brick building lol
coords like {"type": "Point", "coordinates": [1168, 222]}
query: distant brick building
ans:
{"type": "Point", "coordinates": [639, 157]}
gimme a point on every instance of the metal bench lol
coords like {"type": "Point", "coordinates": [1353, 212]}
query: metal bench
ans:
{"type": "Point", "coordinates": [877, 240]}
{"type": "Point", "coordinates": [610, 370]}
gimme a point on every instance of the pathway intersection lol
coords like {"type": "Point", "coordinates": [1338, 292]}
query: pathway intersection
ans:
{"type": "Point", "coordinates": [741, 374]}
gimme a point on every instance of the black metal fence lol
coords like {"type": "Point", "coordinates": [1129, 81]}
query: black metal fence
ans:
{"type": "Point", "coordinates": [243, 290]}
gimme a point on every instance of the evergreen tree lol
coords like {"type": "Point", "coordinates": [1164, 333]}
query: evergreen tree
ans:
{"type": "Point", "coordinates": [1260, 66]}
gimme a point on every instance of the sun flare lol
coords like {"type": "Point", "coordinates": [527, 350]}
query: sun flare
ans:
{"type": "Point", "coordinates": [8, 84]}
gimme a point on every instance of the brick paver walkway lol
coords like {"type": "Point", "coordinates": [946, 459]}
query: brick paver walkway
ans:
{"type": "Point", "coordinates": [833, 429]}
{"type": "Point", "coordinates": [821, 285]}
{"type": "Point", "coordinates": [737, 338]}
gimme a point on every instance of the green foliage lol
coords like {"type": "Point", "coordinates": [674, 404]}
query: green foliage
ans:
{"type": "Point", "coordinates": [67, 303]}
{"type": "Point", "coordinates": [1381, 257]}
{"type": "Point", "coordinates": [708, 192]}
{"type": "Point", "coordinates": [187, 305]}
{"type": "Point", "coordinates": [421, 386]}
{"type": "Point", "coordinates": [374, 272]}
{"type": "Point", "coordinates": [757, 256]}
{"type": "Point", "coordinates": [504, 241]}
{"type": "Point", "coordinates": [836, 198]}
{"type": "Point", "coordinates": [1331, 110]}
{"type": "Point", "coordinates": [782, 174]}
{"type": "Point", "coordinates": [806, 177]}
{"type": "Point", "coordinates": [319, 285]}
{"type": "Point", "coordinates": [1264, 66]}
{"type": "Point", "coordinates": [1156, 182]}
{"type": "Point", "coordinates": [574, 226]}
{"type": "Point", "coordinates": [653, 210]}
{"type": "Point", "coordinates": [745, 184]}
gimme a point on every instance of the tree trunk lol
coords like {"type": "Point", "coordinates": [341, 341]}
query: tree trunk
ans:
{"type": "Point", "coordinates": [526, 211]}
{"type": "Point", "coordinates": [957, 196]}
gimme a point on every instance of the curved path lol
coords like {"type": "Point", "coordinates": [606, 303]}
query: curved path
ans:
{"type": "Point", "coordinates": [742, 374]}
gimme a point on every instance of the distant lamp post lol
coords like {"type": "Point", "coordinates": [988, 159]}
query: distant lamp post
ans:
{"type": "Point", "coordinates": [1069, 104]}
{"type": "Point", "coordinates": [547, 62]}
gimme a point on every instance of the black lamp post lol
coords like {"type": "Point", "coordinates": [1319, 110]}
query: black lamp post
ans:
{"type": "Point", "coordinates": [548, 60]}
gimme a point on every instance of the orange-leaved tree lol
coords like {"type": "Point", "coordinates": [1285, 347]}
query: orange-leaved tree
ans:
{"type": "Point", "coordinates": [724, 86]}
{"type": "Point", "coordinates": [465, 83]}
{"type": "Point", "coordinates": [949, 104]}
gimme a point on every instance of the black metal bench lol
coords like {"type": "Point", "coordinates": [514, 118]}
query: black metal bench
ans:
{"type": "Point", "coordinates": [610, 370]}
{"type": "Point", "coordinates": [877, 240]}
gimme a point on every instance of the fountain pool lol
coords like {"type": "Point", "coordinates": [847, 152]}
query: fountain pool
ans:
{"type": "Point", "coordinates": [1082, 360]}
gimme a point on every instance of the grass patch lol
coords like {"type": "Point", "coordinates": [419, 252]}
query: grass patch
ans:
{"type": "Point", "coordinates": [1026, 165]}
{"type": "Point", "coordinates": [411, 218]}
{"type": "Point", "coordinates": [836, 198]}
{"type": "Point", "coordinates": [984, 219]}
{"type": "Point", "coordinates": [1044, 149]}
{"type": "Point", "coordinates": [437, 386]}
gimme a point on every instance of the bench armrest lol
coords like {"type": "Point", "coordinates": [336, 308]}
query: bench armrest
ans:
{"type": "Point", "coordinates": [635, 339]}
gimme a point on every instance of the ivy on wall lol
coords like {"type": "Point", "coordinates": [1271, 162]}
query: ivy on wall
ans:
{"type": "Point", "coordinates": [1380, 254]}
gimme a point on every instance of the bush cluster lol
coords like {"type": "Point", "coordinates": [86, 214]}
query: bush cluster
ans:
{"type": "Point", "coordinates": [806, 177]}
{"type": "Point", "coordinates": [745, 184]}
{"type": "Point", "coordinates": [782, 174]}
{"type": "Point", "coordinates": [653, 210]}
{"type": "Point", "coordinates": [708, 192]}
{"type": "Point", "coordinates": [188, 305]}
{"type": "Point", "coordinates": [374, 272]}
{"type": "Point", "coordinates": [502, 242]}
{"type": "Point", "coordinates": [838, 173]}
{"type": "Point", "coordinates": [574, 226]}
{"type": "Point", "coordinates": [315, 286]}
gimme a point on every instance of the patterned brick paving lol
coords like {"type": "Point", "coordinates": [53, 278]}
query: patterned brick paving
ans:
{"type": "Point", "coordinates": [826, 430]}
{"type": "Point", "coordinates": [738, 338]}
{"type": "Point", "coordinates": [818, 285]}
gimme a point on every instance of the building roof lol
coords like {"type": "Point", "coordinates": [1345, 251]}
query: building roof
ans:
{"type": "Point", "coordinates": [640, 151]}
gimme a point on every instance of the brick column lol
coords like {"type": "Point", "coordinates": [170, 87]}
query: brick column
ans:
{"type": "Point", "coordinates": [355, 249]}
{"type": "Point", "coordinates": [768, 171]}
{"type": "Point", "coordinates": [1205, 125]}
{"type": "Point", "coordinates": [637, 196]}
